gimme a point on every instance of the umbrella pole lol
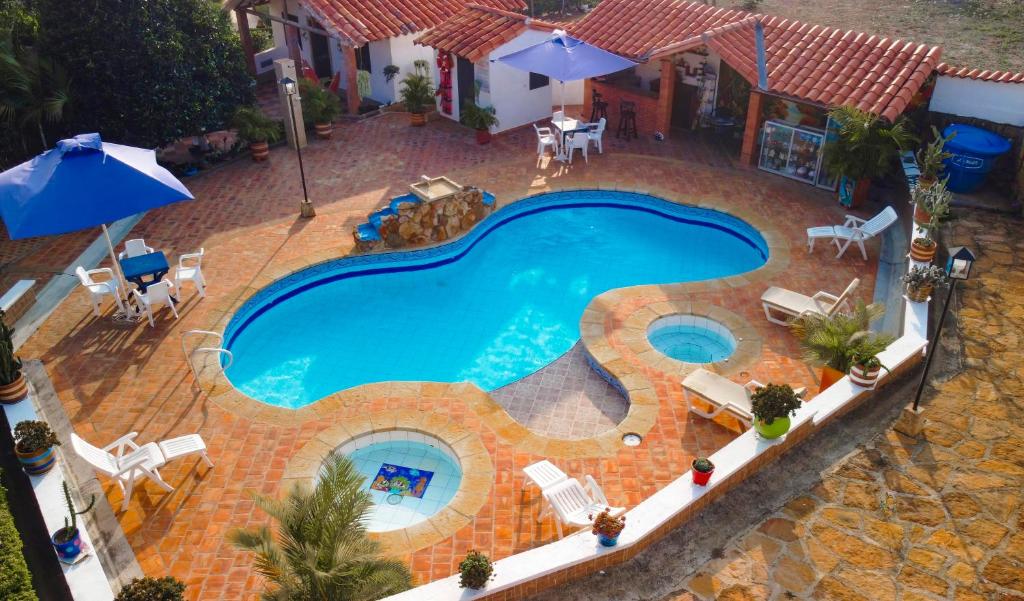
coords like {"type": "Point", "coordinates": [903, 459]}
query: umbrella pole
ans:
{"type": "Point", "coordinates": [117, 266]}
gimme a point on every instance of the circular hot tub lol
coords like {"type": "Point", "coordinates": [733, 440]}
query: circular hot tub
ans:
{"type": "Point", "coordinates": [692, 338]}
{"type": "Point", "coordinates": [410, 475]}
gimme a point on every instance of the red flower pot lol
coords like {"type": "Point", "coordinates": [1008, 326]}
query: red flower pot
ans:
{"type": "Point", "coordinates": [701, 478]}
{"type": "Point", "coordinates": [483, 136]}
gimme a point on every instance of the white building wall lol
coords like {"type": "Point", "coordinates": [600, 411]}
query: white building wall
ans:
{"type": "Point", "coordinates": [403, 54]}
{"type": "Point", "coordinates": [989, 100]}
{"type": "Point", "coordinates": [573, 93]}
{"type": "Point", "coordinates": [514, 102]}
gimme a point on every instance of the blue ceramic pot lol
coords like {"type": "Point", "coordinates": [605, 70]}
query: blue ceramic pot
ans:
{"type": "Point", "coordinates": [36, 463]}
{"type": "Point", "coordinates": [607, 541]}
{"type": "Point", "coordinates": [67, 551]}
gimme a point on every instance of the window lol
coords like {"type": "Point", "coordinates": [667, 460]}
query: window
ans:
{"type": "Point", "coordinates": [363, 58]}
{"type": "Point", "coordinates": [538, 81]}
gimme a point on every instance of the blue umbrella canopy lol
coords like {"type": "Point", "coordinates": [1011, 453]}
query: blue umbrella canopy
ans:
{"type": "Point", "coordinates": [83, 182]}
{"type": "Point", "coordinates": [566, 58]}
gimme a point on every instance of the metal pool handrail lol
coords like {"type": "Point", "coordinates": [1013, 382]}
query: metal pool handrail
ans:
{"type": "Point", "coordinates": [205, 349]}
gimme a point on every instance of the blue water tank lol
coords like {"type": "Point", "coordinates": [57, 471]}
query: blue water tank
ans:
{"type": "Point", "coordinates": [974, 151]}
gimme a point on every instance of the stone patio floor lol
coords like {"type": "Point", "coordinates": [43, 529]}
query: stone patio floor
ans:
{"type": "Point", "coordinates": [114, 379]}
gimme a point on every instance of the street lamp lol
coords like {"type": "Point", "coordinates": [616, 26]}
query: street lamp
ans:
{"type": "Point", "coordinates": [291, 90]}
{"type": "Point", "coordinates": [958, 267]}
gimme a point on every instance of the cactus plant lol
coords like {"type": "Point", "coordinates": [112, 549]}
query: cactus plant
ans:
{"type": "Point", "coordinates": [70, 529]}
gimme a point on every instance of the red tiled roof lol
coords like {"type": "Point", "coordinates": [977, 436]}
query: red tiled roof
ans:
{"type": "Point", "coordinates": [633, 28]}
{"type": "Point", "coordinates": [477, 30]}
{"type": "Point", "coordinates": [981, 74]}
{"type": "Point", "coordinates": [362, 21]}
{"type": "Point", "coordinates": [807, 62]}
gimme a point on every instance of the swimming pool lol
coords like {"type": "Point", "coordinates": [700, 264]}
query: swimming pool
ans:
{"type": "Point", "coordinates": [691, 338]}
{"type": "Point", "coordinates": [489, 308]}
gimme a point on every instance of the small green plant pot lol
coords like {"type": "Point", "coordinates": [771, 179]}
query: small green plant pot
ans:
{"type": "Point", "coordinates": [778, 427]}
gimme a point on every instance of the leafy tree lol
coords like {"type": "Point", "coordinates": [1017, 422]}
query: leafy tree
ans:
{"type": "Point", "coordinates": [147, 72]}
{"type": "Point", "coordinates": [321, 551]}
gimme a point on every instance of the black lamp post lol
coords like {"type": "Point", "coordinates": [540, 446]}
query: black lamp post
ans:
{"type": "Point", "coordinates": [958, 267]}
{"type": "Point", "coordinates": [291, 90]}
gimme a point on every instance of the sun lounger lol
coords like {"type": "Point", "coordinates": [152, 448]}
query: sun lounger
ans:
{"type": "Point", "coordinates": [575, 505]}
{"type": "Point", "coordinates": [793, 304]}
{"type": "Point", "coordinates": [724, 395]}
{"type": "Point", "coordinates": [854, 229]}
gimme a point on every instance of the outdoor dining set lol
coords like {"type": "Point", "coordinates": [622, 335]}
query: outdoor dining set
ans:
{"type": "Point", "coordinates": [573, 135]}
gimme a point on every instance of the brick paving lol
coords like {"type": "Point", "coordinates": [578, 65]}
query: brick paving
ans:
{"type": "Point", "coordinates": [112, 379]}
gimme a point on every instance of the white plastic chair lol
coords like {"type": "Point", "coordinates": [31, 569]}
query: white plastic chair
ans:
{"type": "Point", "coordinates": [134, 248]}
{"type": "Point", "coordinates": [546, 138]}
{"type": "Point", "coordinates": [545, 475]}
{"type": "Point", "coordinates": [190, 270]}
{"type": "Point", "coordinates": [580, 140]}
{"type": "Point", "coordinates": [126, 467]}
{"type": "Point", "coordinates": [97, 290]}
{"type": "Point", "coordinates": [156, 294]}
{"type": "Point", "coordinates": [854, 229]}
{"type": "Point", "coordinates": [596, 132]}
{"type": "Point", "coordinates": [575, 505]}
{"type": "Point", "coordinates": [558, 116]}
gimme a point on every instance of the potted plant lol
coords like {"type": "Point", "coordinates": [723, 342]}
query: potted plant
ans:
{"type": "Point", "coordinates": [702, 468]}
{"type": "Point", "coordinates": [772, 405]}
{"type": "Point", "coordinates": [257, 129]}
{"type": "Point", "coordinates": [920, 281]}
{"type": "Point", "coordinates": [931, 204]}
{"type": "Point", "coordinates": [33, 444]}
{"type": "Point", "coordinates": [865, 369]}
{"type": "Point", "coordinates": [480, 118]}
{"type": "Point", "coordinates": [607, 527]}
{"type": "Point", "coordinates": [152, 589]}
{"type": "Point", "coordinates": [866, 147]}
{"type": "Point", "coordinates": [67, 541]}
{"type": "Point", "coordinates": [930, 158]}
{"type": "Point", "coordinates": [475, 570]}
{"type": "Point", "coordinates": [390, 71]}
{"type": "Point", "coordinates": [319, 105]}
{"type": "Point", "coordinates": [922, 249]}
{"type": "Point", "coordinates": [13, 386]}
{"type": "Point", "coordinates": [417, 94]}
{"type": "Point", "coordinates": [834, 341]}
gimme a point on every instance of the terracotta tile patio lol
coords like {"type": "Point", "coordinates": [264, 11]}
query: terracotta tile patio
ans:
{"type": "Point", "coordinates": [114, 379]}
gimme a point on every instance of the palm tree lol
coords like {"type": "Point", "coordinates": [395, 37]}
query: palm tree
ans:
{"type": "Point", "coordinates": [321, 551]}
{"type": "Point", "coordinates": [839, 339]}
{"type": "Point", "coordinates": [34, 90]}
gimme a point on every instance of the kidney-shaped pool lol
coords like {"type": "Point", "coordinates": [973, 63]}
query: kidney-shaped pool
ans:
{"type": "Point", "coordinates": [490, 308]}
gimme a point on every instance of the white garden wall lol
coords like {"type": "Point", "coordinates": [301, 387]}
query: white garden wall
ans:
{"type": "Point", "coordinates": [988, 100]}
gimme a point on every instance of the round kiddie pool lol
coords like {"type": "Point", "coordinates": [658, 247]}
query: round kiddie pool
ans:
{"type": "Point", "coordinates": [410, 475]}
{"type": "Point", "coordinates": [490, 308]}
{"type": "Point", "coordinates": [691, 338]}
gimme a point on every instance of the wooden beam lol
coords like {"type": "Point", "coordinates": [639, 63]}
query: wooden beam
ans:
{"type": "Point", "coordinates": [248, 48]}
{"type": "Point", "coordinates": [666, 95]}
{"type": "Point", "coordinates": [351, 80]}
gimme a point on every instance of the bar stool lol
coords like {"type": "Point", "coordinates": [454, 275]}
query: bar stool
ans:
{"type": "Point", "coordinates": [599, 108]}
{"type": "Point", "coordinates": [627, 120]}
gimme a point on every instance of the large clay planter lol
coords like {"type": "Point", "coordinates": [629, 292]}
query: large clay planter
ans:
{"type": "Point", "coordinates": [324, 130]}
{"type": "Point", "coordinates": [483, 136]}
{"type": "Point", "coordinates": [922, 253]}
{"type": "Point", "coordinates": [37, 462]}
{"type": "Point", "coordinates": [829, 376]}
{"type": "Point", "coordinates": [67, 551]}
{"type": "Point", "coordinates": [418, 119]}
{"type": "Point", "coordinates": [919, 294]}
{"type": "Point", "coordinates": [260, 151]}
{"type": "Point", "coordinates": [860, 192]}
{"type": "Point", "coordinates": [778, 427]}
{"type": "Point", "coordinates": [863, 376]}
{"type": "Point", "coordinates": [14, 392]}
{"type": "Point", "coordinates": [921, 216]}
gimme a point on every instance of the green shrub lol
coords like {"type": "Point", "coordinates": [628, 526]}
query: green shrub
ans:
{"type": "Point", "coordinates": [773, 401]}
{"type": "Point", "coordinates": [31, 436]}
{"type": "Point", "coordinates": [475, 570]}
{"type": "Point", "coordinates": [152, 589]}
{"type": "Point", "coordinates": [15, 580]}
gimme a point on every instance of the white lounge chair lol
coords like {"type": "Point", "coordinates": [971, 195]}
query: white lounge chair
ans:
{"type": "Point", "coordinates": [794, 304]}
{"type": "Point", "coordinates": [134, 248]}
{"type": "Point", "coordinates": [575, 505]}
{"type": "Point", "coordinates": [97, 290]}
{"type": "Point", "coordinates": [724, 395]}
{"type": "Point", "coordinates": [545, 139]}
{"type": "Point", "coordinates": [156, 294]}
{"type": "Point", "coordinates": [544, 474]}
{"type": "Point", "coordinates": [596, 133]}
{"type": "Point", "coordinates": [853, 230]}
{"type": "Point", "coordinates": [190, 269]}
{"type": "Point", "coordinates": [129, 461]}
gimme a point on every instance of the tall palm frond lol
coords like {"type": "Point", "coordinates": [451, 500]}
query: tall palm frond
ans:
{"type": "Point", "coordinates": [321, 551]}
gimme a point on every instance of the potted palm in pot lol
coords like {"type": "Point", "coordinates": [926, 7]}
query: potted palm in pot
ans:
{"type": "Point", "coordinates": [772, 405]}
{"type": "Point", "coordinates": [417, 94]}
{"type": "Point", "coordinates": [257, 129]}
{"type": "Point", "coordinates": [930, 158]}
{"type": "Point", "coordinates": [33, 444]}
{"type": "Point", "coordinates": [702, 468]}
{"type": "Point", "coordinates": [865, 149]}
{"type": "Point", "coordinates": [834, 341]}
{"type": "Point", "coordinates": [480, 118]}
{"type": "Point", "coordinates": [13, 386]}
{"type": "Point", "coordinates": [608, 527]}
{"type": "Point", "coordinates": [866, 368]}
{"type": "Point", "coordinates": [920, 281]}
{"type": "Point", "coordinates": [67, 541]}
{"type": "Point", "coordinates": [321, 106]}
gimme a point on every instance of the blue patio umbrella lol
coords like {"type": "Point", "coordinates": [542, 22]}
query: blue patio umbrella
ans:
{"type": "Point", "coordinates": [84, 182]}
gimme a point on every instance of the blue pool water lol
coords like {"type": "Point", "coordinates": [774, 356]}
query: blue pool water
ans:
{"type": "Point", "coordinates": [490, 308]}
{"type": "Point", "coordinates": [692, 344]}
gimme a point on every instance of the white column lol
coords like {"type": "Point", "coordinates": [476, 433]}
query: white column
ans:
{"type": "Point", "coordinates": [285, 67]}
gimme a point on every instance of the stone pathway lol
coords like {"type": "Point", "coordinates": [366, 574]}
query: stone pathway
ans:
{"type": "Point", "coordinates": [937, 517]}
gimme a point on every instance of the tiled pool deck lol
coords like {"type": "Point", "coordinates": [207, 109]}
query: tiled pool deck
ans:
{"type": "Point", "coordinates": [114, 380]}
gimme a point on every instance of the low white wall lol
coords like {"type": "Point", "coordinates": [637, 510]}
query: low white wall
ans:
{"type": "Point", "coordinates": [989, 100]}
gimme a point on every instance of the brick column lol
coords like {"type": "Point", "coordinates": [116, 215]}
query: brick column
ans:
{"type": "Point", "coordinates": [351, 81]}
{"type": "Point", "coordinates": [754, 110]}
{"type": "Point", "coordinates": [588, 103]}
{"type": "Point", "coordinates": [666, 93]}
{"type": "Point", "coordinates": [248, 49]}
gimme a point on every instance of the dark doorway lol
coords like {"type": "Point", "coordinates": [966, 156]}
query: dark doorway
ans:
{"type": "Point", "coordinates": [320, 46]}
{"type": "Point", "coordinates": [467, 83]}
{"type": "Point", "coordinates": [684, 105]}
